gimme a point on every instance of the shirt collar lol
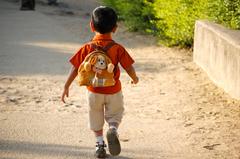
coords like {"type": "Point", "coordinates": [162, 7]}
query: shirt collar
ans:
{"type": "Point", "coordinates": [102, 37]}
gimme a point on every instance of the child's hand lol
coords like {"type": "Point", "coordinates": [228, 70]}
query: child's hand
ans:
{"type": "Point", "coordinates": [135, 81]}
{"type": "Point", "coordinates": [65, 93]}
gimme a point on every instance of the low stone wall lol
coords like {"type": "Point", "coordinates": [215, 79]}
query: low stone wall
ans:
{"type": "Point", "coordinates": [217, 51]}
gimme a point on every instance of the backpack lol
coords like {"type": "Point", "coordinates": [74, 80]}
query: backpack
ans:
{"type": "Point", "coordinates": [97, 69]}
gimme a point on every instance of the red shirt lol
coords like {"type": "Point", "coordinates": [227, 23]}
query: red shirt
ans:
{"type": "Point", "coordinates": [117, 54]}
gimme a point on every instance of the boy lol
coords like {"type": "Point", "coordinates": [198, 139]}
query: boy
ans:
{"type": "Point", "coordinates": [104, 102]}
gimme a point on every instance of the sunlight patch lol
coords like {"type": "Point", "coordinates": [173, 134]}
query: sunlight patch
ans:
{"type": "Point", "coordinates": [60, 46]}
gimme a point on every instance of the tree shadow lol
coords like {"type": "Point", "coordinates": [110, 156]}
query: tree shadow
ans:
{"type": "Point", "coordinates": [32, 44]}
{"type": "Point", "coordinates": [42, 149]}
{"type": "Point", "coordinates": [34, 60]}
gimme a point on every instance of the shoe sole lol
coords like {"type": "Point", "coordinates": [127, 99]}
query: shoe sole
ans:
{"type": "Point", "coordinates": [100, 156]}
{"type": "Point", "coordinates": [113, 143]}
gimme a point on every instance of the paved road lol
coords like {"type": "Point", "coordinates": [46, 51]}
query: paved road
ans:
{"type": "Point", "coordinates": [27, 36]}
{"type": "Point", "coordinates": [175, 112]}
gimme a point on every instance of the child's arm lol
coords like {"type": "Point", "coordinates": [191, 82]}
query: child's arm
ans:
{"type": "Point", "coordinates": [72, 75]}
{"type": "Point", "coordinates": [131, 72]}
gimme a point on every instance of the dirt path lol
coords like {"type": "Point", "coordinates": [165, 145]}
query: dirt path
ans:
{"type": "Point", "coordinates": [174, 112]}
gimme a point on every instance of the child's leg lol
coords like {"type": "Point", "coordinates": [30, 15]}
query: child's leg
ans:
{"type": "Point", "coordinates": [113, 115]}
{"type": "Point", "coordinates": [96, 121]}
{"type": "Point", "coordinates": [114, 110]}
{"type": "Point", "coordinates": [99, 137]}
{"type": "Point", "coordinates": [96, 112]}
{"type": "Point", "coordinates": [100, 145]}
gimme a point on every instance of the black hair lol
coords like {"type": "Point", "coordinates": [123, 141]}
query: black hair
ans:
{"type": "Point", "coordinates": [104, 19]}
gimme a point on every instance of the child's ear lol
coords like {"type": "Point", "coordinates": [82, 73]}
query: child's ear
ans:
{"type": "Point", "coordinates": [110, 68]}
{"type": "Point", "coordinates": [87, 66]}
{"type": "Point", "coordinates": [114, 29]}
{"type": "Point", "coordinates": [92, 26]}
{"type": "Point", "coordinates": [93, 60]}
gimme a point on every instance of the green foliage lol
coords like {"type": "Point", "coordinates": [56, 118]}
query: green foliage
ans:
{"type": "Point", "coordinates": [135, 13]}
{"type": "Point", "coordinates": [226, 12]}
{"type": "Point", "coordinates": [173, 21]}
{"type": "Point", "coordinates": [177, 18]}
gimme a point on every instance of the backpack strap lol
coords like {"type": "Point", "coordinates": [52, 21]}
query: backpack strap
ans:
{"type": "Point", "coordinates": [108, 46]}
{"type": "Point", "coordinates": [105, 48]}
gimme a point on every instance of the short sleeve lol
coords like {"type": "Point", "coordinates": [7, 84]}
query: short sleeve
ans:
{"type": "Point", "coordinates": [79, 57]}
{"type": "Point", "coordinates": [124, 58]}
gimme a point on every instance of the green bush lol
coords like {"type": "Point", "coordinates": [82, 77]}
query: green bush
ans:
{"type": "Point", "coordinates": [177, 18]}
{"type": "Point", "coordinates": [173, 21]}
{"type": "Point", "coordinates": [226, 12]}
{"type": "Point", "coordinates": [135, 13]}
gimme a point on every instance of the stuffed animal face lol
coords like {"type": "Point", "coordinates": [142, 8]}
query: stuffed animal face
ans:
{"type": "Point", "coordinates": [100, 63]}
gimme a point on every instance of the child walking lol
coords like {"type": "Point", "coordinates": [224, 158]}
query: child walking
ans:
{"type": "Point", "coordinates": [105, 103]}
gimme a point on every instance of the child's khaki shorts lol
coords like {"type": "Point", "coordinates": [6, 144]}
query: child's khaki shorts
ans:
{"type": "Point", "coordinates": [108, 106]}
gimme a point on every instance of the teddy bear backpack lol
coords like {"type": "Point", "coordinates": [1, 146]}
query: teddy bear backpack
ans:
{"type": "Point", "coordinates": [97, 69]}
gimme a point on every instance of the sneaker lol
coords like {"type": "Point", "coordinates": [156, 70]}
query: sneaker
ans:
{"type": "Point", "coordinates": [100, 151]}
{"type": "Point", "coordinates": [113, 142]}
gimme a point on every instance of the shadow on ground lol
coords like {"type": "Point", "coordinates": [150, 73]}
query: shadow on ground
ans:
{"type": "Point", "coordinates": [42, 149]}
